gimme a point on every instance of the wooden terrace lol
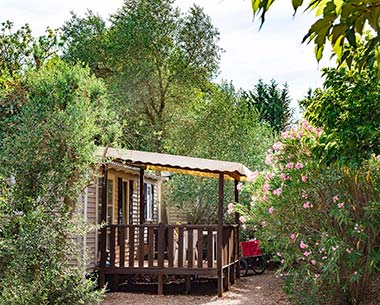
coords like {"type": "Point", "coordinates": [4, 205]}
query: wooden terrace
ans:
{"type": "Point", "coordinates": [160, 250]}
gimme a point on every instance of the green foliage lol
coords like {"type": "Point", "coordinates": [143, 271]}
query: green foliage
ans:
{"type": "Point", "coordinates": [321, 222]}
{"type": "Point", "coordinates": [339, 22]}
{"type": "Point", "coordinates": [86, 41]}
{"type": "Point", "coordinates": [219, 125]}
{"type": "Point", "coordinates": [272, 103]}
{"type": "Point", "coordinates": [47, 152]}
{"type": "Point", "coordinates": [153, 56]}
{"type": "Point", "coordinates": [348, 109]}
{"type": "Point", "coordinates": [20, 50]}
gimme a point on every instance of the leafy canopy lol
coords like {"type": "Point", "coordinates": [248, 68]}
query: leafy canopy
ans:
{"type": "Point", "coordinates": [339, 22]}
{"type": "Point", "coordinates": [152, 56]}
{"type": "Point", "coordinates": [347, 107]}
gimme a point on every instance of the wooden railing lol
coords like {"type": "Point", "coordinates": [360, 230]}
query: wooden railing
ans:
{"type": "Point", "coordinates": [174, 248]}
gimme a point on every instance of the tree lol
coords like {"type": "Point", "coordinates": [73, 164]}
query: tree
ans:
{"type": "Point", "coordinates": [47, 156]}
{"type": "Point", "coordinates": [86, 41]}
{"type": "Point", "coordinates": [219, 125]}
{"type": "Point", "coordinates": [272, 103]}
{"type": "Point", "coordinates": [20, 49]}
{"type": "Point", "coordinates": [341, 22]}
{"type": "Point", "coordinates": [347, 107]}
{"type": "Point", "coordinates": [157, 55]}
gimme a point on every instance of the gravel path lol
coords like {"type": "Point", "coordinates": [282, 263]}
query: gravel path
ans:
{"type": "Point", "coordinates": [252, 290]}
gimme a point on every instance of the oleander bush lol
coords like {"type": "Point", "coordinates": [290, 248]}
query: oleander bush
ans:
{"type": "Point", "coordinates": [322, 221]}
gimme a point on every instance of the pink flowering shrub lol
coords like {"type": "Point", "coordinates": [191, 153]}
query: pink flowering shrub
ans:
{"type": "Point", "coordinates": [323, 219]}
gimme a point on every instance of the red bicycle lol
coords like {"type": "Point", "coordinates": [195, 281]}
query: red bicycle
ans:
{"type": "Point", "coordinates": [252, 257]}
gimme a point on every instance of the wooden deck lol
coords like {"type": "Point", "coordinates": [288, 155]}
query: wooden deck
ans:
{"type": "Point", "coordinates": [159, 249]}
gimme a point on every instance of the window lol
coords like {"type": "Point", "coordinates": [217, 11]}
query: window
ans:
{"type": "Point", "coordinates": [148, 201]}
{"type": "Point", "coordinates": [109, 201]}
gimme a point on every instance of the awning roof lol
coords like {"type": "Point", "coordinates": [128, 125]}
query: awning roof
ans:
{"type": "Point", "coordinates": [174, 163]}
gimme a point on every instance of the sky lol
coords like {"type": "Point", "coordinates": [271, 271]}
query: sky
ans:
{"type": "Point", "coordinates": [274, 52]}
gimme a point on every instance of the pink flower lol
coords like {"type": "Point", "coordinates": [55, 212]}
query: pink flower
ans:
{"type": "Point", "coordinates": [355, 273]}
{"type": "Point", "coordinates": [313, 262]}
{"type": "Point", "coordinates": [300, 134]}
{"type": "Point", "coordinates": [244, 227]}
{"type": "Point", "coordinates": [268, 159]}
{"type": "Point", "coordinates": [268, 177]}
{"type": "Point", "coordinates": [266, 188]}
{"type": "Point", "coordinates": [303, 178]}
{"type": "Point", "coordinates": [305, 195]}
{"type": "Point", "coordinates": [335, 198]}
{"type": "Point", "coordinates": [230, 208]}
{"type": "Point", "coordinates": [349, 250]}
{"type": "Point", "coordinates": [306, 205]}
{"type": "Point", "coordinates": [283, 176]}
{"type": "Point", "coordinates": [277, 192]}
{"type": "Point", "coordinates": [242, 219]}
{"type": "Point", "coordinates": [290, 165]}
{"type": "Point", "coordinates": [299, 165]}
{"type": "Point", "coordinates": [277, 146]}
{"type": "Point", "coordinates": [319, 131]}
{"type": "Point", "coordinates": [305, 124]}
{"type": "Point", "coordinates": [270, 210]}
{"type": "Point", "coordinates": [239, 186]}
{"type": "Point", "coordinates": [303, 245]}
{"type": "Point", "coordinates": [293, 236]}
{"type": "Point", "coordinates": [265, 198]}
{"type": "Point", "coordinates": [285, 134]}
{"type": "Point", "coordinates": [340, 205]}
{"type": "Point", "coordinates": [252, 176]}
{"type": "Point", "coordinates": [307, 253]}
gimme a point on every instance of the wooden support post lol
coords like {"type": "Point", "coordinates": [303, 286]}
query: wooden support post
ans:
{"type": "Point", "coordinates": [237, 237]}
{"type": "Point", "coordinates": [103, 230]}
{"type": "Point", "coordinates": [160, 282]}
{"type": "Point", "coordinates": [141, 196]}
{"type": "Point", "coordinates": [220, 236]}
{"type": "Point", "coordinates": [187, 283]}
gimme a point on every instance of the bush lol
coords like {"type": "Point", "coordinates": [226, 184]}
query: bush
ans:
{"type": "Point", "coordinates": [323, 221]}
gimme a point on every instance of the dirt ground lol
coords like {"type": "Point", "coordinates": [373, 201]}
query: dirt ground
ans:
{"type": "Point", "coordinates": [262, 289]}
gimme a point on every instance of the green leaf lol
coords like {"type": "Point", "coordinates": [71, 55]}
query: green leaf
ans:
{"type": "Point", "coordinates": [296, 4]}
{"type": "Point", "coordinates": [350, 34]}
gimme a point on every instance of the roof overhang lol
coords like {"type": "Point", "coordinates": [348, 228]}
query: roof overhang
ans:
{"type": "Point", "coordinates": [174, 163]}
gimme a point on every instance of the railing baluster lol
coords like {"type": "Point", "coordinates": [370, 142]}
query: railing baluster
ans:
{"type": "Point", "coordinates": [170, 246]}
{"type": "Point", "coordinates": [131, 241]}
{"type": "Point", "coordinates": [180, 247]}
{"type": "Point", "coordinates": [122, 246]}
{"type": "Point", "coordinates": [161, 244]}
{"type": "Point", "coordinates": [210, 248]}
{"type": "Point", "coordinates": [112, 247]}
{"type": "Point", "coordinates": [150, 245]}
{"type": "Point", "coordinates": [200, 248]}
{"type": "Point", "coordinates": [141, 246]}
{"type": "Point", "coordinates": [190, 248]}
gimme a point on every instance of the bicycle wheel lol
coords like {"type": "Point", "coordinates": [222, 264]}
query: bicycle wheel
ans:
{"type": "Point", "coordinates": [243, 267]}
{"type": "Point", "coordinates": [259, 265]}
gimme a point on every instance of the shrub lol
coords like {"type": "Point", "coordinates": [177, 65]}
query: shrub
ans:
{"type": "Point", "coordinates": [322, 221]}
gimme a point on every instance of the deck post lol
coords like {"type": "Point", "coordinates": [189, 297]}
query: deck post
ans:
{"type": "Point", "coordinates": [220, 236]}
{"type": "Point", "coordinates": [237, 237]}
{"type": "Point", "coordinates": [160, 283]}
{"type": "Point", "coordinates": [103, 231]}
{"type": "Point", "coordinates": [141, 196]}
